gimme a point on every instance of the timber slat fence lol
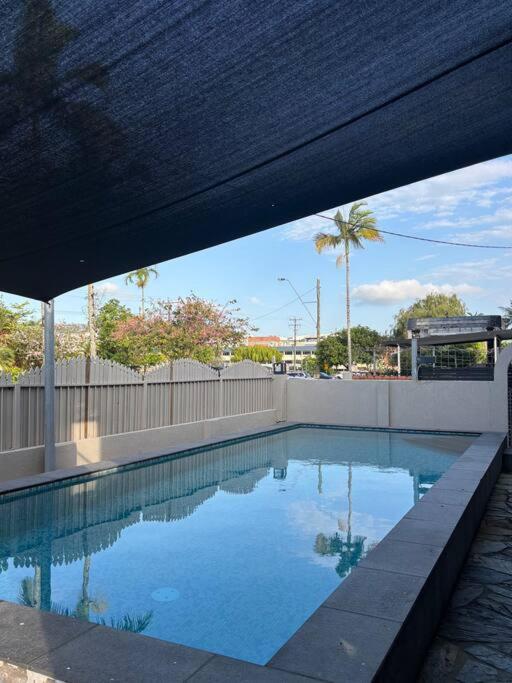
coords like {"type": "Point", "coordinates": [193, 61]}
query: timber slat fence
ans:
{"type": "Point", "coordinates": [99, 397]}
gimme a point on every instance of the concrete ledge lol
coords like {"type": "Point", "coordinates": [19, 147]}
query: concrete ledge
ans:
{"type": "Point", "coordinates": [376, 626]}
{"type": "Point", "coordinates": [25, 462]}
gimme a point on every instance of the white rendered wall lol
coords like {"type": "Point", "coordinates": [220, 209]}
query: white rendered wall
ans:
{"type": "Point", "coordinates": [458, 406]}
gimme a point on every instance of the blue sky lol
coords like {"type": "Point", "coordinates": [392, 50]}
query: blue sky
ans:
{"type": "Point", "coordinates": [470, 205]}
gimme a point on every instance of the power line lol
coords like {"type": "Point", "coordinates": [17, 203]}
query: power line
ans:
{"type": "Point", "coordinates": [288, 303]}
{"type": "Point", "coordinates": [427, 239]}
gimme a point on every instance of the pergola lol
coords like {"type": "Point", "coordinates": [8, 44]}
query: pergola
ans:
{"type": "Point", "coordinates": [133, 133]}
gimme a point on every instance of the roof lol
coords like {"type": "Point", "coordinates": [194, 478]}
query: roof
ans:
{"type": "Point", "coordinates": [443, 339]}
{"type": "Point", "coordinates": [288, 348]}
{"type": "Point", "coordinates": [459, 321]}
{"type": "Point", "coordinates": [135, 132]}
{"type": "Point", "coordinates": [262, 340]}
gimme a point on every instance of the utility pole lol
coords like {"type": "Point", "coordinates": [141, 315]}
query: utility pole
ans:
{"type": "Point", "coordinates": [49, 387]}
{"type": "Point", "coordinates": [295, 325]}
{"type": "Point", "coordinates": [91, 320]}
{"type": "Point", "coordinates": [317, 320]}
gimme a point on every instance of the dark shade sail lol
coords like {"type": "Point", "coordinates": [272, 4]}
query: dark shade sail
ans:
{"type": "Point", "coordinates": [133, 132]}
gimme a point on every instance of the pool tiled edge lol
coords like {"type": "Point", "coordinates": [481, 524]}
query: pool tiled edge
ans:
{"type": "Point", "coordinates": [389, 605]}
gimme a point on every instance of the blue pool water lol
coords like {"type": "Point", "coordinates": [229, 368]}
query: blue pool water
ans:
{"type": "Point", "coordinates": [228, 549]}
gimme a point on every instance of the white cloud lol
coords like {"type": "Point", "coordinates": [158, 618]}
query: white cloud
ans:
{"type": "Point", "coordinates": [443, 194]}
{"type": "Point", "coordinates": [426, 257]}
{"type": "Point", "coordinates": [396, 291]}
{"type": "Point", "coordinates": [107, 287]}
{"type": "Point", "coordinates": [484, 269]}
{"type": "Point", "coordinates": [255, 301]}
{"type": "Point", "coordinates": [439, 197]}
{"type": "Point", "coordinates": [306, 228]}
{"type": "Point", "coordinates": [500, 215]}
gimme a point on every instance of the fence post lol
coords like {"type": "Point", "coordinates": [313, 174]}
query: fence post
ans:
{"type": "Point", "coordinates": [220, 410]}
{"type": "Point", "coordinates": [87, 396]}
{"type": "Point", "coordinates": [144, 417]}
{"type": "Point", "coordinates": [414, 358]}
{"type": "Point", "coordinates": [171, 393]}
{"type": "Point", "coordinates": [16, 416]}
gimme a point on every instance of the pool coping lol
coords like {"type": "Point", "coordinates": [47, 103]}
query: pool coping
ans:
{"type": "Point", "coordinates": [358, 634]}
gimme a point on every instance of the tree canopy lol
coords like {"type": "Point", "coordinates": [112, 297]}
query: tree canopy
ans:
{"type": "Point", "coordinates": [258, 354]}
{"type": "Point", "coordinates": [188, 328]}
{"type": "Point", "coordinates": [431, 306]}
{"type": "Point", "coordinates": [507, 315]}
{"type": "Point", "coordinates": [333, 350]}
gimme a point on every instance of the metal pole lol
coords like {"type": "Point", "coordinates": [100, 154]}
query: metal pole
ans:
{"type": "Point", "coordinates": [495, 349]}
{"type": "Point", "coordinates": [294, 323]}
{"type": "Point", "coordinates": [398, 360]}
{"type": "Point", "coordinates": [414, 357]}
{"type": "Point", "coordinates": [317, 320]}
{"type": "Point", "coordinates": [91, 320]}
{"type": "Point", "coordinates": [49, 387]}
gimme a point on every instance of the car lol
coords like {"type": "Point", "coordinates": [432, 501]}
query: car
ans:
{"type": "Point", "coordinates": [325, 375]}
{"type": "Point", "coordinates": [298, 374]}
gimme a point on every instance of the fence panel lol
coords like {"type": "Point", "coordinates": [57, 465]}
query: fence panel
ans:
{"type": "Point", "coordinates": [246, 388]}
{"type": "Point", "coordinates": [98, 397]}
{"type": "Point", "coordinates": [6, 412]}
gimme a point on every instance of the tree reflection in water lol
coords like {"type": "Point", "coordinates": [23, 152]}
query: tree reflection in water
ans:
{"type": "Point", "coordinates": [33, 589]}
{"type": "Point", "coordinates": [349, 550]}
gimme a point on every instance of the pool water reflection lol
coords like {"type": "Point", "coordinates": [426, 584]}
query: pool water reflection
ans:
{"type": "Point", "coordinates": [229, 549]}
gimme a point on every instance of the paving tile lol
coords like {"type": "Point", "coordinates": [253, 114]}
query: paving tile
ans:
{"type": "Point", "coordinates": [476, 672]}
{"type": "Point", "coordinates": [441, 662]}
{"type": "Point", "coordinates": [393, 597]}
{"type": "Point", "coordinates": [402, 557]}
{"type": "Point", "coordinates": [27, 633]}
{"type": "Point", "coordinates": [429, 532]}
{"type": "Point", "coordinates": [334, 645]}
{"type": "Point", "coordinates": [458, 483]}
{"type": "Point", "coordinates": [105, 655]}
{"type": "Point", "coordinates": [491, 656]}
{"type": "Point", "coordinates": [224, 670]}
{"type": "Point", "coordinates": [436, 512]}
{"type": "Point", "coordinates": [446, 496]}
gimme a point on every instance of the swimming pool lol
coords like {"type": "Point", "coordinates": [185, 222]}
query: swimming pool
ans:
{"type": "Point", "coordinates": [227, 549]}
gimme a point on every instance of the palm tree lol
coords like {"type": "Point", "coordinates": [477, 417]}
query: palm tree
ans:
{"type": "Point", "coordinates": [30, 596]}
{"type": "Point", "coordinates": [507, 318]}
{"type": "Point", "coordinates": [350, 550]}
{"type": "Point", "coordinates": [140, 278]}
{"type": "Point", "coordinates": [352, 232]}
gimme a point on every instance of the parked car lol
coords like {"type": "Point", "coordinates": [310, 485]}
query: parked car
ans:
{"type": "Point", "coordinates": [325, 375]}
{"type": "Point", "coordinates": [299, 374]}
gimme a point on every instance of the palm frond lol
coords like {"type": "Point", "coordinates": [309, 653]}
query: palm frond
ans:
{"type": "Point", "coordinates": [91, 74]}
{"type": "Point", "coordinates": [135, 624]}
{"type": "Point", "coordinates": [325, 240]}
{"type": "Point", "coordinates": [371, 234]}
{"type": "Point", "coordinates": [354, 239]}
{"type": "Point", "coordinates": [354, 210]}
